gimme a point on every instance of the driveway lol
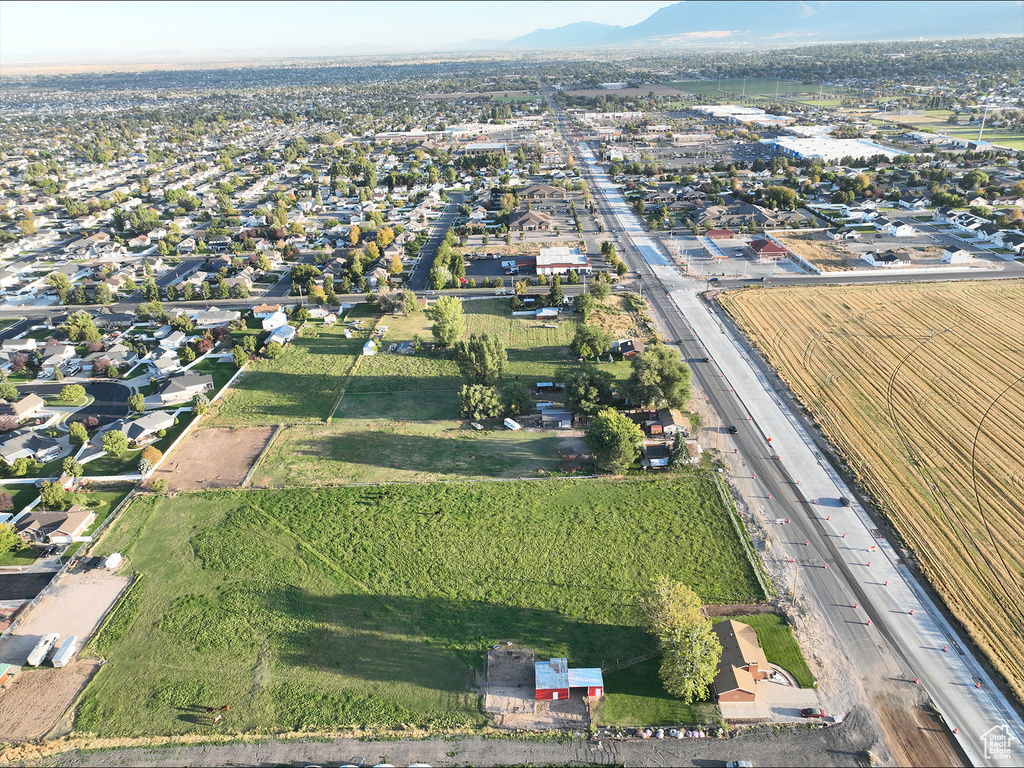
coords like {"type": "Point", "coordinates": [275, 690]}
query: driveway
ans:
{"type": "Point", "coordinates": [110, 399]}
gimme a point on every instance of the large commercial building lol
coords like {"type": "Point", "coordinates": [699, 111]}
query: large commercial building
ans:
{"type": "Point", "coordinates": [561, 260]}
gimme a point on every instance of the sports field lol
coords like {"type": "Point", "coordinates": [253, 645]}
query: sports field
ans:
{"type": "Point", "coordinates": [751, 86]}
{"type": "Point", "coordinates": [363, 607]}
{"type": "Point", "coordinates": [921, 389]}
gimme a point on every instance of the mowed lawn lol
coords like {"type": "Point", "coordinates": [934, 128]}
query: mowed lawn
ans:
{"type": "Point", "coordinates": [319, 609]}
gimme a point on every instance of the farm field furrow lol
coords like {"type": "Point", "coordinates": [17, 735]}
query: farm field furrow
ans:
{"type": "Point", "coordinates": [362, 607]}
{"type": "Point", "coordinates": [921, 390]}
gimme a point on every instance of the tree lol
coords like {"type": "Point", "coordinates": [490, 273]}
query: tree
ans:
{"type": "Point", "coordinates": [8, 391]}
{"type": "Point", "coordinates": [972, 180]}
{"type": "Point", "coordinates": [481, 359]}
{"type": "Point", "coordinates": [137, 402]}
{"type": "Point", "coordinates": [589, 341]}
{"type": "Point", "coordinates": [449, 322]}
{"type": "Point", "coordinates": [479, 402]}
{"type": "Point", "coordinates": [555, 295]}
{"type": "Point", "coordinates": [52, 496]}
{"type": "Point", "coordinates": [517, 398]}
{"type": "Point", "coordinates": [8, 538]}
{"type": "Point", "coordinates": [273, 350]}
{"type": "Point", "coordinates": [200, 403]}
{"type": "Point", "coordinates": [152, 454]}
{"type": "Point", "coordinates": [690, 649]}
{"type": "Point", "coordinates": [659, 376]}
{"type": "Point", "coordinates": [78, 433]}
{"type": "Point", "coordinates": [585, 304]}
{"type": "Point", "coordinates": [616, 441]}
{"type": "Point", "coordinates": [600, 290]}
{"type": "Point", "coordinates": [72, 467]}
{"type": "Point", "coordinates": [80, 327]}
{"type": "Point", "coordinates": [115, 443]}
{"type": "Point", "coordinates": [781, 197]}
{"type": "Point", "coordinates": [72, 393]}
{"type": "Point", "coordinates": [60, 283]}
{"type": "Point", "coordinates": [239, 356]}
{"type": "Point", "coordinates": [588, 390]}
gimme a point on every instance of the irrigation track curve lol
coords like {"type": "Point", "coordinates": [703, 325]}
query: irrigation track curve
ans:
{"type": "Point", "coordinates": [1009, 607]}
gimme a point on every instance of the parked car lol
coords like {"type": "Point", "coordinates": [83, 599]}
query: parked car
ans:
{"type": "Point", "coordinates": [812, 712]}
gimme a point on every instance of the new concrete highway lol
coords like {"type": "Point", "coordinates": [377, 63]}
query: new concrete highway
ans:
{"type": "Point", "coordinates": [880, 615]}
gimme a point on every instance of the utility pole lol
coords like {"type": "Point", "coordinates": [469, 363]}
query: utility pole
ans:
{"type": "Point", "coordinates": [984, 115]}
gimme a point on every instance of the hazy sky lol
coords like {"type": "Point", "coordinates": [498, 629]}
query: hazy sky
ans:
{"type": "Point", "coordinates": [60, 31]}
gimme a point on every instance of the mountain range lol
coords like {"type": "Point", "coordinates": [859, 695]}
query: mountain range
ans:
{"type": "Point", "coordinates": [781, 22]}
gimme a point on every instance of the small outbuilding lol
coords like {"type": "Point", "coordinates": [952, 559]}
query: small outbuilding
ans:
{"type": "Point", "coordinates": [369, 348]}
{"type": "Point", "coordinates": [554, 680]}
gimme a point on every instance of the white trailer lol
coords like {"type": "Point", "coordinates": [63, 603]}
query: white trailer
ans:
{"type": "Point", "coordinates": [67, 652]}
{"type": "Point", "coordinates": [38, 654]}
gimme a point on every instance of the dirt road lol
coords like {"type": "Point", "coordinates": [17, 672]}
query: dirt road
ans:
{"type": "Point", "coordinates": [847, 744]}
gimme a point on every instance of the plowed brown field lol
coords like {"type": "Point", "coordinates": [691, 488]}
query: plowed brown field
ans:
{"type": "Point", "coordinates": [921, 388]}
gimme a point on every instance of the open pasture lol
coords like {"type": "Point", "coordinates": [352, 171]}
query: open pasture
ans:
{"type": "Point", "coordinates": [920, 387]}
{"type": "Point", "coordinates": [372, 607]}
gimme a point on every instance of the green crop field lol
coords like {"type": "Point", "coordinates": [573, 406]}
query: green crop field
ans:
{"type": "Point", "coordinates": [320, 609]}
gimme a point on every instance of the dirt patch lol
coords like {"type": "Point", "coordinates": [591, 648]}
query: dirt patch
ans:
{"type": "Point", "coordinates": [38, 697]}
{"type": "Point", "coordinates": [918, 736]}
{"type": "Point", "coordinates": [213, 458]}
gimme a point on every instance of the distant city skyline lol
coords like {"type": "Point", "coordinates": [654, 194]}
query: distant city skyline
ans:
{"type": "Point", "coordinates": [42, 32]}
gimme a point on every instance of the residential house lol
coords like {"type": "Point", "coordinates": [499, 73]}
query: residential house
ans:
{"type": "Point", "coordinates": [274, 321]}
{"type": "Point", "coordinates": [656, 455]}
{"type": "Point", "coordinates": [886, 259]}
{"type": "Point", "coordinates": [145, 429]}
{"type": "Point", "coordinates": [215, 318]}
{"type": "Point", "coordinates": [27, 443]}
{"type": "Point", "coordinates": [179, 389]}
{"type": "Point", "coordinates": [957, 256]}
{"type": "Point", "coordinates": [263, 311]}
{"type": "Point", "coordinates": [55, 527]}
{"type": "Point", "coordinates": [742, 665]}
{"type": "Point", "coordinates": [56, 357]}
{"type": "Point", "coordinates": [173, 340]}
{"type": "Point", "coordinates": [25, 408]}
{"type": "Point", "coordinates": [672, 421]}
{"type": "Point", "coordinates": [628, 348]}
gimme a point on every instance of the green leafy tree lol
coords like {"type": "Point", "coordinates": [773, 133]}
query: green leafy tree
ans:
{"type": "Point", "coordinates": [102, 294]}
{"type": "Point", "coordinates": [517, 398]}
{"type": "Point", "coordinates": [137, 402]}
{"type": "Point", "coordinates": [479, 402]}
{"type": "Point", "coordinates": [115, 443]}
{"type": "Point", "coordinates": [80, 327]}
{"type": "Point", "coordinates": [616, 441]}
{"type": "Point", "coordinates": [22, 466]}
{"type": "Point", "coordinates": [659, 377]}
{"type": "Point", "coordinates": [239, 356]}
{"type": "Point", "coordinates": [588, 390]}
{"type": "Point", "coordinates": [589, 341]}
{"type": "Point", "coordinates": [8, 391]}
{"type": "Point", "coordinates": [60, 283]}
{"type": "Point", "coordinates": [72, 393]}
{"type": "Point", "coordinates": [585, 304]}
{"type": "Point", "coordinates": [78, 433]}
{"type": "Point", "coordinates": [481, 358]}
{"type": "Point", "coordinates": [9, 540]}
{"type": "Point", "coordinates": [449, 322]}
{"type": "Point", "coordinates": [72, 467]}
{"type": "Point", "coordinates": [200, 403]}
{"type": "Point", "coordinates": [689, 646]}
{"type": "Point", "coordinates": [600, 290]}
{"type": "Point", "coordinates": [53, 496]}
{"type": "Point", "coordinates": [555, 294]}
{"type": "Point", "coordinates": [273, 350]}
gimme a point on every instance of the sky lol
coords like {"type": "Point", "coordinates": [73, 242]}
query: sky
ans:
{"type": "Point", "coordinates": [53, 32]}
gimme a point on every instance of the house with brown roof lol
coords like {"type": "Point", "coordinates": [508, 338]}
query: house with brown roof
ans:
{"type": "Point", "coordinates": [767, 250]}
{"type": "Point", "coordinates": [55, 527]}
{"type": "Point", "coordinates": [529, 221]}
{"type": "Point", "coordinates": [30, 405]}
{"type": "Point", "coordinates": [743, 662]}
{"type": "Point", "coordinates": [541, 192]}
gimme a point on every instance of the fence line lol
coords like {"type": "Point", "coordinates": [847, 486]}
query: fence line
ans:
{"type": "Point", "coordinates": [734, 516]}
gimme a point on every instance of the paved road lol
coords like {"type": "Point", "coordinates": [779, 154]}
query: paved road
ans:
{"type": "Point", "coordinates": [438, 228]}
{"type": "Point", "coordinates": [866, 594]}
{"type": "Point", "coordinates": [110, 401]}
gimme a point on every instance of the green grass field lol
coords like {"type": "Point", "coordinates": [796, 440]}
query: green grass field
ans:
{"type": "Point", "coordinates": [303, 384]}
{"type": "Point", "coordinates": [318, 609]}
{"type": "Point", "coordinates": [635, 696]}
